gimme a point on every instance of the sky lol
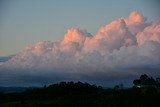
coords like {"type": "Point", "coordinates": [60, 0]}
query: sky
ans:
{"type": "Point", "coordinates": [105, 42]}
{"type": "Point", "coordinates": [24, 22]}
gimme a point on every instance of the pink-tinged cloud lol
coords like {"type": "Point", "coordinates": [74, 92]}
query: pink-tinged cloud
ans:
{"type": "Point", "coordinates": [150, 33]}
{"type": "Point", "coordinates": [76, 35]}
{"type": "Point", "coordinates": [127, 46]}
{"type": "Point", "coordinates": [136, 22]}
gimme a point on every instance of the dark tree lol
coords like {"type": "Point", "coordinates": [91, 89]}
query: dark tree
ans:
{"type": "Point", "coordinates": [150, 81]}
{"type": "Point", "coordinates": [144, 77]}
{"type": "Point", "coordinates": [146, 81]}
{"type": "Point", "coordinates": [137, 82]}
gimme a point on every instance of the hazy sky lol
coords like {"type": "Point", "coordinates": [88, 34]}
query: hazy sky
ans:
{"type": "Point", "coordinates": [24, 22]}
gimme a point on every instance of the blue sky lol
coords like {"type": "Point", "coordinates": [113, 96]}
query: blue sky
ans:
{"type": "Point", "coordinates": [24, 22]}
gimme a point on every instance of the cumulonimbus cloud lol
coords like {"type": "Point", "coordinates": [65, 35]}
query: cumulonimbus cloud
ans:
{"type": "Point", "coordinates": [127, 46]}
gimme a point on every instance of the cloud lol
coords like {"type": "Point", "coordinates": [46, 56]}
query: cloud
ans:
{"type": "Point", "coordinates": [136, 22]}
{"type": "Point", "coordinates": [118, 51]}
{"type": "Point", "coordinates": [150, 33]}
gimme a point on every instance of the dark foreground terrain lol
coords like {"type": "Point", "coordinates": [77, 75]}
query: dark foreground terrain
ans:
{"type": "Point", "coordinates": [145, 93]}
{"type": "Point", "coordinates": [70, 94]}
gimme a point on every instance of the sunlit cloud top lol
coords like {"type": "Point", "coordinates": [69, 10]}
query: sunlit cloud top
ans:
{"type": "Point", "coordinates": [124, 47]}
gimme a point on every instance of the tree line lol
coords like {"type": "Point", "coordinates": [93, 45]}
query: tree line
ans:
{"type": "Point", "coordinates": [79, 94]}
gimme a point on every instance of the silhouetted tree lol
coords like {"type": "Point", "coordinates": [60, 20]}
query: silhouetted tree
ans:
{"type": "Point", "coordinates": [116, 87]}
{"type": "Point", "coordinates": [145, 80]}
{"type": "Point", "coordinates": [137, 82]}
{"type": "Point", "coordinates": [158, 82]}
{"type": "Point", "coordinates": [119, 86]}
{"type": "Point", "coordinates": [144, 77]}
{"type": "Point", "coordinates": [150, 81]}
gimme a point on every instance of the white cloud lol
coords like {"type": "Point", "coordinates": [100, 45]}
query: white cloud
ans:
{"type": "Point", "coordinates": [136, 22]}
{"type": "Point", "coordinates": [127, 46]}
{"type": "Point", "coordinates": [150, 33]}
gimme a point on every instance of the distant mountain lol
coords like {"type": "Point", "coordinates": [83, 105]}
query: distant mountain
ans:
{"type": "Point", "coordinates": [5, 58]}
{"type": "Point", "coordinates": [13, 89]}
